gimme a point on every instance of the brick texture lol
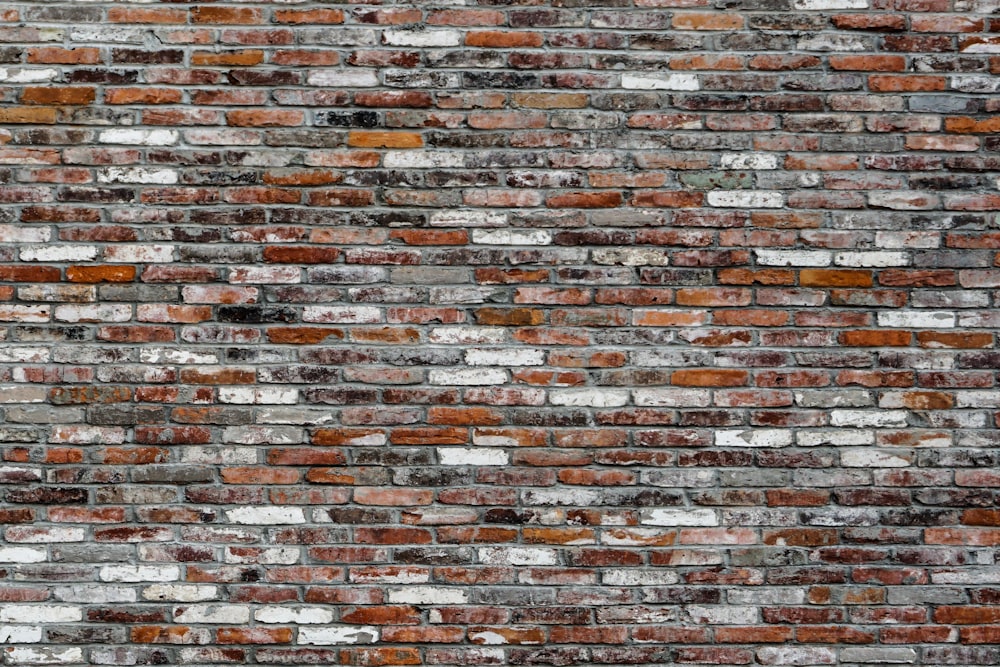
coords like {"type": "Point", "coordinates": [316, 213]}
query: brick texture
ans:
{"type": "Point", "coordinates": [622, 332]}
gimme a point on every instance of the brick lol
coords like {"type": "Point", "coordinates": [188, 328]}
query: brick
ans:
{"type": "Point", "coordinates": [53, 96]}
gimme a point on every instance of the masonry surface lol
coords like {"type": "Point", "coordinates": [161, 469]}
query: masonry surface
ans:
{"type": "Point", "coordinates": [624, 332]}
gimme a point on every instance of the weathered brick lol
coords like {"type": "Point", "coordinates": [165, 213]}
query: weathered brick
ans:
{"type": "Point", "coordinates": [557, 334]}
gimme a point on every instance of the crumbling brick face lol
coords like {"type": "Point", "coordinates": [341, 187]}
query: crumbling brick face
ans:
{"type": "Point", "coordinates": [623, 332]}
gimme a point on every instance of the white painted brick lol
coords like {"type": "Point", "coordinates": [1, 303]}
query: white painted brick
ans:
{"type": "Point", "coordinates": [907, 239]}
{"type": "Point", "coordinates": [361, 634]}
{"type": "Point", "coordinates": [20, 634]}
{"type": "Point", "coordinates": [467, 376]}
{"type": "Point", "coordinates": [467, 335]}
{"type": "Point", "coordinates": [745, 199]}
{"type": "Point", "coordinates": [98, 312]}
{"type": "Point", "coordinates": [793, 257]}
{"type": "Point", "coordinates": [401, 576]}
{"type": "Point", "coordinates": [722, 614]}
{"type": "Point", "coordinates": [19, 75]}
{"type": "Point", "coordinates": [512, 236]}
{"type": "Point", "coordinates": [814, 5]}
{"type": "Point", "coordinates": [180, 592]}
{"type": "Point", "coordinates": [427, 595]}
{"type": "Point", "coordinates": [140, 573]}
{"type": "Point", "coordinates": [976, 84]}
{"type": "Point", "coordinates": [561, 497]}
{"type": "Point", "coordinates": [422, 37]}
{"type": "Point", "coordinates": [869, 418]}
{"type": "Point", "coordinates": [173, 355]}
{"type": "Point", "coordinates": [904, 200]}
{"type": "Point", "coordinates": [24, 234]}
{"type": "Point", "coordinates": [262, 435]}
{"type": "Point", "coordinates": [674, 398]}
{"type": "Point", "coordinates": [871, 458]}
{"type": "Point", "coordinates": [655, 81]}
{"type": "Point", "coordinates": [748, 161]}
{"type": "Point", "coordinates": [517, 556]}
{"type": "Point", "coordinates": [488, 637]}
{"type": "Point", "coordinates": [422, 159]}
{"type": "Point", "coordinates": [218, 455]}
{"type": "Point", "coordinates": [255, 275]}
{"type": "Point", "coordinates": [294, 615]}
{"type": "Point", "coordinates": [838, 438]}
{"type": "Point", "coordinates": [767, 595]}
{"type": "Point", "coordinates": [264, 556]}
{"type": "Point", "coordinates": [831, 42]}
{"type": "Point", "coordinates": [639, 577]}
{"type": "Point", "coordinates": [468, 219]}
{"type": "Point", "coordinates": [342, 315]}
{"type": "Point", "coordinates": [631, 256]}
{"type": "Point", "coordinates": [594, 398]}
{"type": "Point", "coordinates": [139, 254]}
{"type": "Point", "coordinates": [791, 655]}
{"type": "Point", "coordinates": [967, 575]}
{"type": "Point", "coordinates": [266, 515]}
{"type": "Point", "coordinates": [107, 33]}
{"type": "Point", "coordinates": [493, 440]}
{"type": "Point", "coordinates": [472, 456]}
{"type": "Point", "coordinates": [43, 656]}
{"type": "Point", "coordinates": [94, 593]}
{"type": "Point", "coordinates": [977, 399]}
{"type": "Point", "coordinates": [916, 319]}
{"type": "Point", "coordinates": [679, 517]}
{"type": "Point", "coordinates": [762, 437]}
{"type": "Point", "coordinates": [40, 613]}
{"type": "Point", "coordinates": [88, 435]}
{"type": "Point", "coordinates": [58, 253]}
{"type": "Point", "coordinates": [878, 655]}
{"type": "Point", "coordinates": [985, 46]}
{"type": "Point", "coordinates": [258, 396]}
{"type": "Point", "coordinates": [213, 613]}
{"type": "Point", "coordinates": [24, 355]}
{"type": "Point", "coordinates": [16, 313]}
{"type": "Point", "coordinates": [308, 416]}
{"type": "Point", "coordinates": [51, 534]}
{"type": "Point", "coordinates": [145, 175]}
{"type": "Point", "coordinates": [680, 478]}
{"type": "Point", "coordinates": [137, 137]}
{"type": "Point", "coordinates": [872, 259]}
{"type": "Point", "coordinates": [21, 555]}
{"type": "Point", "coordinates": [479, 356]}
{"type": "Point", "coordinates": [343, 78]}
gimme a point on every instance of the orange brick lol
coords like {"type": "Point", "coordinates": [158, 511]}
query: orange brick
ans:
{"type": "Point", "coordinates": [53, 55]}
{"type": "Point", "coordinates": [309, 16]}
{"type": "Point", "coordinates": [101, 274]}
{"type": "Point", "coordinates": [909, 84]}
{"type": "Point", "coordinates": [875, 338]}
{"type": "Point", "coordinates": [246, 58]}
{"type": "Point", "coordinates": [264, 118]}
{"type": "Point", "coordinates": [142, 96]}
{"type": "Point", "coordinates": [146, 15]}
{"type": "Point", "coordinates": [834, 278]}
{"type": "Point", "coordinates": [496, 39]}
{"type": "Point", "coordinates": [585, 200]}
{"type": "Point", "coordinates": [27, 115]}
{"type": "Point", "coordinates": [707, 21]}
{"type": "Point", "coordinates": [868, 63]}
{"type": "Point", "coordinates": [363, 139]}
{"type": "Point", "coordinates": [709, 377]}
{"type": "Point", "coordinates": [226, 15]}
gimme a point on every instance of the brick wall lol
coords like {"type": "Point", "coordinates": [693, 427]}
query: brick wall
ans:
{"type": "Point", "coordinates": [457, 333]}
